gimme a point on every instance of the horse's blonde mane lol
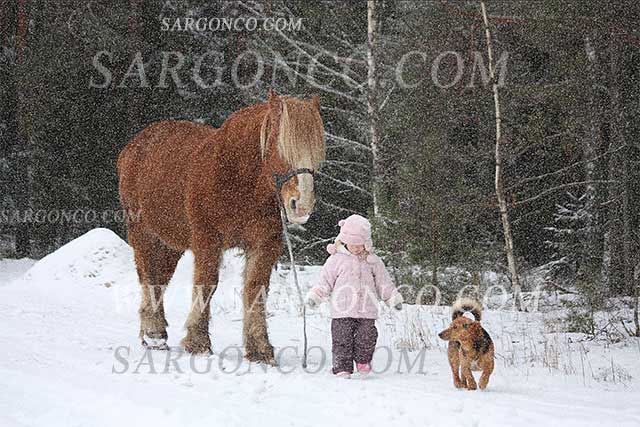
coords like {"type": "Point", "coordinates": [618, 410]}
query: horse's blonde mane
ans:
{"type": "Point", "coordinates": [300, 135]}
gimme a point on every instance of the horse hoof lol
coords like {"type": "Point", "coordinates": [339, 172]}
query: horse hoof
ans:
{"type": "Point", "coordinates": [155, 343]}
{"type": "Point", "coordinates": [267, 359]}
{"type": "Point", "coordinates": [198, 350]}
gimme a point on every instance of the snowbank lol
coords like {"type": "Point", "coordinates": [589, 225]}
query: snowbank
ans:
{"type": "Point", "coordinates": [12, 268]}
{"type": "Point", "coordinates": [102, 258]}
{"type": "Point", "coordinates": [98, 257]}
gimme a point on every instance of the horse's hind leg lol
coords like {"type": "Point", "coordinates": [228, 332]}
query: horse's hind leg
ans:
{"type": "Point", "coordinates": [155, 263]}
{"type": "Point", "coordinates": [260, 260]}
{"type": "Point", "coordinates": [207, 252]}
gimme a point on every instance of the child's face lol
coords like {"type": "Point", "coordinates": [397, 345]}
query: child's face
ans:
{"type": "Point", "coordinates": [355, 249]}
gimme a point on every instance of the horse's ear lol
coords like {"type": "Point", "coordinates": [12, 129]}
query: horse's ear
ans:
{"type": "Point", "coordinates": [316, 101]}
{"type": "Point", "coordinates": [274, 101]}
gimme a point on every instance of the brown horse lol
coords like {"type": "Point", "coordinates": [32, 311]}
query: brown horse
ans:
{"type": "Point", "coordinates": [192, 186]}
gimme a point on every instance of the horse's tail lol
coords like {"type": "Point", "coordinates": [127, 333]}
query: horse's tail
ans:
{"type": "Point", "coordinates": [127, 170]}
{"type": "Point", "coordinates": [466, 305]}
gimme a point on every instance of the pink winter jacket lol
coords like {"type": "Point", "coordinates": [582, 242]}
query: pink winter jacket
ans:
{"type": "Point", "coordinates": [355, 285]}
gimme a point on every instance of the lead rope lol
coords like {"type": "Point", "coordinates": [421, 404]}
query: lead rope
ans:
{"type": "Point", "coordinates": [295, 279]}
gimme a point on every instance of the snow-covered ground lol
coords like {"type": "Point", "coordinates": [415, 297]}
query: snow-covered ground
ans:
{"type": "Point", "coordinates": [71, 357]}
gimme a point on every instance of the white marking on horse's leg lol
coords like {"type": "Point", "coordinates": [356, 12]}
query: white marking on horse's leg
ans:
{"type": "Point", "coordinates": [154, 343]}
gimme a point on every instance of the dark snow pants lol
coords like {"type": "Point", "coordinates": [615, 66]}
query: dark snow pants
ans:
{"type": "Point", "coordinates": [352, 340]}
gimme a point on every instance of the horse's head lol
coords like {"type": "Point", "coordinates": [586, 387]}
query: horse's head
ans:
{"type": "Point", "coordinates": [292, 143]}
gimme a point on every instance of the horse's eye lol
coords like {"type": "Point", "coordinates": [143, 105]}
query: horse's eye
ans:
{"type": "Point", "coordinates": [464, 326]}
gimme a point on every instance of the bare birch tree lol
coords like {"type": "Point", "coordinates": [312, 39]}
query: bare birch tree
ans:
{"type": "Point", "coordinates": [499, 185]}
{"type": "Point", "coordinates": [372, 102]}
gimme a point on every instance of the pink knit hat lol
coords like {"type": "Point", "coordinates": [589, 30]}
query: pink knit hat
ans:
{"type": "Point", "coordinates": [355, 230]}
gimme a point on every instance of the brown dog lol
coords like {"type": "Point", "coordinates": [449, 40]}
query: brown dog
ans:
{"type": "Point", "coordinates": [470, 346]}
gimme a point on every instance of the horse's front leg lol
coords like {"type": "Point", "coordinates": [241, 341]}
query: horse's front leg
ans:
{"type": "Point", "coordinates": [207, 256]}
{"type": "Point", "coordinates": [260, 260]}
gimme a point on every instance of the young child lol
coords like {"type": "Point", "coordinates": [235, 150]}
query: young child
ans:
{"type": "Point", "coordinates": [355, 280]}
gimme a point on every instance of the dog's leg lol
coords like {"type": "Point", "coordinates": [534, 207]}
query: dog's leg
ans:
{"type": "Point", "coordinates": [467, 375]}
{"type": "Point", "coordinates": [454, 360]}
{"type": "Point", "coordinates": [487, 369]}
{"type": "Point", "coordinates": [463, 382]}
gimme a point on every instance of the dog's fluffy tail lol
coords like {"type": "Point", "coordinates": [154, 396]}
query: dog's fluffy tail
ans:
{"type": "Point", "coordinates": [464, 305]}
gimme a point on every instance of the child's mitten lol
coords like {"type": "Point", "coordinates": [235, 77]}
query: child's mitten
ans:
{"type": "Point", "coordinates": [312, 300]}
{"type": "Point", "coordinates": [395, 301]}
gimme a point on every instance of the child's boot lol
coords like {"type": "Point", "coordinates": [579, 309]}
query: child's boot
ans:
{"type": "Point", "coordinates": [344, 374]}
{"type": "Point", "coordinates": [363, 368]}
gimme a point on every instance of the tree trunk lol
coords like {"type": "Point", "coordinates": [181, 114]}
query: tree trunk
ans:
{"type": "Point", "coordinates": [592, 249]}
{"type": "Point", "coordinates": [626, 229]}
{"type": "Point", "coordinates": [500, 194]}
{"type": "Point", "coordinates": [434, 250]}
{"type": "Point", "coordinates": [372, 104]}
{"type": "Point", "coordinates": [636, 295]}
{"type": "Point", "coordinates": [614, 263]}
{"type": "Point", "coordinates": [134, 37]}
